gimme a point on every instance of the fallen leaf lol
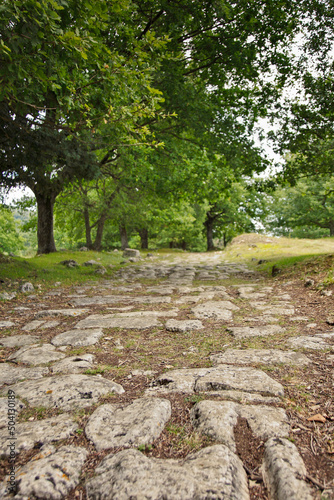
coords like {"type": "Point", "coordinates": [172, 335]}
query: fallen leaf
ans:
{"type": "Point", "coordinates": [48, 392]}
{"type": "Point", "coordinates": [317, 418]}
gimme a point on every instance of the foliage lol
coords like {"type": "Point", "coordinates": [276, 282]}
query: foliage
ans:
{"type": "Point", "coordinates": [11, 240]}
{"type": "Point", "coordinates": [304, 210]}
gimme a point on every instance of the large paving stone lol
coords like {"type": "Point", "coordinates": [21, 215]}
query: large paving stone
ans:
{"type": "Point", "coordinates": [78, 337]}
{"type": "Point", "coordinates": [113, 321]}
{"type": "Point", "coordinates": [218, 418]}
{"type": "Point", "coordinates": [9, 374]}
{"type": "Point", "coordinates": [6, 324]}
{"type": "Point", "coordinates": [219, 378]}
{"type": "Point", "coordinates": [65, 391]}
{"type": "Point", "coordinates": [51, 475]}
{"type": "Point", "coordinates": [60, 312]}
{"type": "Point", "coordinates": [174, 325]}
{"type": "Point", "coordinates": [241, 332]}
{"type": "Point", "coordinates": [136, 424]}
{"type": "Point", "coordinates": [161, 290]}
{"type": "Point", "coordinates": [283, 309]}
{"type": "Point", "coordinates": [213, 472]}
{"type": "Point", "coordinates": [37, 355]}
{"type": "Point", "coordinates": [33, 325]}
{"type": "Point", "coordinates": [19, 340]}
{"type": "Point", "coordinates": [29, 434]}
{"type": "Point", "coordinates": [261, 356]}
{"type": "Point", "coordinates": [314, 342]}
{"type": "Point", "coordinates": [73, 364]}
{"type": "Point", "coordinates": [283, 470]}
{"type": "Point", "coordinates": [113, 299]}
{"type": "Point", "coordinates": [221, 309]}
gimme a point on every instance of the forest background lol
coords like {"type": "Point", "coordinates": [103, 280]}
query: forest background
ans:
{"type": "Point", "coordinates": [135, 124]}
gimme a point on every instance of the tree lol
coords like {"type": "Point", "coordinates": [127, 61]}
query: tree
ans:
{"type": "Point", "coordinates": [67, 93]}
{"type": "Point", "coordinates": [304, 208]}
{"type": "Point", "coordinates": [10, 238]}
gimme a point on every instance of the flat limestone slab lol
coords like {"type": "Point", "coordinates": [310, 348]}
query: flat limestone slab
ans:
{"type": "Point", "coordinates": [6, 324]}
{"type": "Point", "coordinates": [213, 472]}
{"type": "Point", "coordinates": [42, 431]}
{"type": "Point", "coordinates": [33, 325]}
{"type": "Point", "coordinates": [174, 325]}
{"type": "Point", "coordinates": [78, 337]}
{"type": "Point", "coordinates": [241, 332]}
{"type": "Point", "coordinates": [65, 391]}
{"type": "Point", "coordinates": [283, 470]}
{"type": "Point", "coordinates": [60, 312]}
{"type": "Point", "coordinates": [114, 299]}
{"type": "Point", "coordinates": [52, 476]}
{"type": "Point", "coordinates": [112, 321]}
{"type": "Point", "coordinates": [37, 355]}
{"type": "Point", "coordinates": [315, 342]}
{"type": "Point", "coordinates": [74, 364]}
{"type": "Point", "coordinates": [137, 424]}
{"type": "Point", "coordinates": [261, 356]}
{"type": "Point", "coordinates": [9, 374]}
{"type": "Point", "coordinates": [284, 310]}
{"type": "Point", "coordinates": [219, 378]}
{"type": "Point", "coordinates": [216, 309]}
{"type": "Point", "coordinates": [19, 340]}
{"type": "Point", "coordinates": [218, 418]}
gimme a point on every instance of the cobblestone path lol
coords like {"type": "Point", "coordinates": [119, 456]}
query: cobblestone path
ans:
{"type": "Point", "coordinates": [94, 399]}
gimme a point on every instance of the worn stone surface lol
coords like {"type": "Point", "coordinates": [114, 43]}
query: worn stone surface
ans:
{"type": "Point", "coordinates": [15, 410]}
{"type": "Point", "coordinates": [131, 252]}
{"type": "Point", "coordinates": [78, 337]}
{"type": "Point", "coordinates": [262, 356]}
{"type": "Point", "coordinates": [174, 325]}
{"type": "Point", "coordinates": [60, 312]}
{"type": "Point", "coordinates": [6, 324]}
{"type": "Point", "coordinates": [241, 332]}
{"type": "Point", "coordinates": [52, 476]}
{"type": "Point", "coordinates": [283, 470]}
{"type": "Point", "coordinates": [27, 287]}
{"type": "Point", "coordinates": [32, 325]}
{"type": "Point", "coordinates": [29, 434]}
{"type": "Point", "coordinates": [282, 309]}
{"type": "Point", "coordinates": [9, 374]}
{"type": "Point", "coordinates": [19, 340]}
{"type": "Point", "coordinates": [219, 378]}
{"type": "Point", "coordinates": [74, 364]}
{"type": "Point", "coordinates": [112, 321]}
{"type": "Point", "coordinates": [31, 355]}
{"type": "Point", "coordinates": [213, 472]}
{"type": "Point", "coordinates": [65, 391]}
{"type": "Point", "coordinates": [215, 309]}
{"type": "Point", "coordinates": [308, 342]}
{"type": "Point", "coordinates": [218, 418]}
{"type": "Point", "coordinates": [136, 424]}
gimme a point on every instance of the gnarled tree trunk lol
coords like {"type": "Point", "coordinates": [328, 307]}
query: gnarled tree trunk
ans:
{"type": "Point", "coordinates": [209, 231]}
{"type": "Point", "coordinates": [45, 237]}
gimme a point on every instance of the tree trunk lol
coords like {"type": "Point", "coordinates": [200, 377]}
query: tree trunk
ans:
{"type": "Point", "coordinates": [331, 228]}
{"type": "Point", "coordinates": [99, 233]}
{"type": "Point", "coordinates": [124, 237]}
{"type": "Point", "coordinates": [143, 233]}
{"type": "Point", "coordinates": [209, 232]}
{"type": "Point", "coordinates": [89, 243]}
{"type": "Point", "coordinates": [45, 237]}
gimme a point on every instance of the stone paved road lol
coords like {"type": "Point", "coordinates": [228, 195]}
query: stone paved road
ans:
{"type": "Point", "coordinates": [43, 371]}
